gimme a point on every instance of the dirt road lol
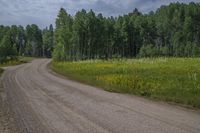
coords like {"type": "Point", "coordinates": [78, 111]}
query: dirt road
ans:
{"type": "Point", "coordinates": [44, 102]}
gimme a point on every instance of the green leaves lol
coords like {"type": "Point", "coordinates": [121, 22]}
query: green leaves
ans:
{"type": "Point", "coordinates": [63, 36]}
{"type": "Point", "coordinates": [48, 41]}
{"type": "Point", "coordinates": [34, 40]}
{"type": "Point", "coordinates": [171, 31]}
{"type": "Point", "coordinates": [7, 49]}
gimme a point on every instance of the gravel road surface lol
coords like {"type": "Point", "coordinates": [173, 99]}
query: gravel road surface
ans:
{"type": "Point", "coordinates": [44, 102]}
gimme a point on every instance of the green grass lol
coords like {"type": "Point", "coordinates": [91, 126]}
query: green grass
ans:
{"type": "Point", "coordinates": [168, 79]}
{"type": "Point", "coordinates": [17, 61]}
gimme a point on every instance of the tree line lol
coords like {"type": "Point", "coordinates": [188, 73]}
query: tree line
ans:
{"type": "Point", "coordinates": [172, 30]}
{"type": "Point", "coordinates": [30, 41]}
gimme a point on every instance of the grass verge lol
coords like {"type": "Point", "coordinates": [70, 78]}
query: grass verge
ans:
{"type": "Point", "coordinates": [168, 79]}
{"type": "Point", "coordinates": [17, 61]}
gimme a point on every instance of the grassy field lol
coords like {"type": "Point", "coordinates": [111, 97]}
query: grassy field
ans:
{"type": "Point", "coordinates": [168, 79]}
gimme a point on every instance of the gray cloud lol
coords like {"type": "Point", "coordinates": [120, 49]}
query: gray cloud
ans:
{"type": "Point", "coordinates": [44, 12]}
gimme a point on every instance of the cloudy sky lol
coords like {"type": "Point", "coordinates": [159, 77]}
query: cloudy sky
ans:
{"type": "Point", "coordinates": [44, 12]}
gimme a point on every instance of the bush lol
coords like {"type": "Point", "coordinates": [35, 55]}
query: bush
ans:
{"type": "Point", "coordinates": [58, 53]}
{"type": "Point", "coordinates": [7, 50]}
{"type": "Point", "coordinates": [149, 51]}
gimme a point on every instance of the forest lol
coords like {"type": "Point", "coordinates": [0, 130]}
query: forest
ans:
{"type": "Point", "coordinates": [170, 31]}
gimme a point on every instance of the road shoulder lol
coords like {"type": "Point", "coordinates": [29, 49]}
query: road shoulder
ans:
{"type": "Point", "coordinates": [7, 122]}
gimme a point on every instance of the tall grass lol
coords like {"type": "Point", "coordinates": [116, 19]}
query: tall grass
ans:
{"type": "Point", "coordinates": [168, 79]}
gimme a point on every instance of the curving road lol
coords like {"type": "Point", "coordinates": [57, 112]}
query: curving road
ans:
{"type": "Point", "coordinates": [43, 102]}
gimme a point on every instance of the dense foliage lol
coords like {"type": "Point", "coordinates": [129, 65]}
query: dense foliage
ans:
{"type": "Point", "coordinates": [172, 30]}
{"type": "Point", "coordinates": [169, 79]}
{"type": "Point", "coordinates": [31, 41]}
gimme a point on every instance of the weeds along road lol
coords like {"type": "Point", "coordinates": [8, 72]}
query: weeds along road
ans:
{"type": "Point", "coordinates": [43, 102]}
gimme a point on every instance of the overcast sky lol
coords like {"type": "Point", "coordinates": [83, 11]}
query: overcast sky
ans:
{"type": "Point", "coordinates": [44, 12]}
